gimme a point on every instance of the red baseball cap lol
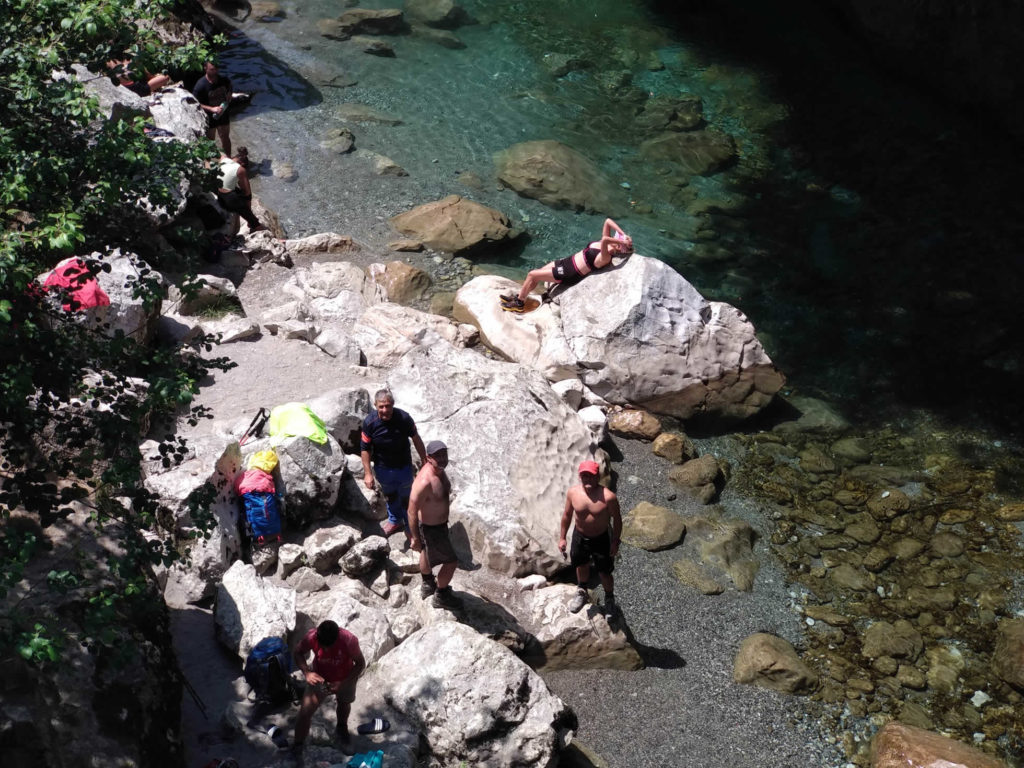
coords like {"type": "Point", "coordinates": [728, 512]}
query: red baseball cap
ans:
{"type": "Point", "coordinates": [589, 468]}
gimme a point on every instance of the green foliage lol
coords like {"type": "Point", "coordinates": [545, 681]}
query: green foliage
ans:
{"type": "Point", "coordinates": [72, 398]}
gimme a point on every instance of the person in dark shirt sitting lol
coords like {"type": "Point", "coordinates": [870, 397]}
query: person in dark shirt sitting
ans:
{"type": "Point", "coordinates": [385, 438]}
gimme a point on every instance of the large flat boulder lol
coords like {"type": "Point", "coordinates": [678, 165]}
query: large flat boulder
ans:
{"type": "Point", "coordinates": [514, 447]}
{"type": "Point", "coordinates": [636, 334]}
{"type": "Point", "coordinates": [556, 175]}
{"type": "Point", "coordinates": [250, 608]}
{"type": "Point", "coordinates": [470, 699]}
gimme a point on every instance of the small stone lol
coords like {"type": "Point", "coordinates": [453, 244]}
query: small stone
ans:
{"type": "Point", "coordinates": [864, 530]}
{"type": "Point", "coordinates": [899, 640]}
{"type": "Point", "coordinates": [885, 665]}
{"type": "Point", "coordinates": [771, 662]}
{"type": "Point", "coordinates": [911, 677]}
{"type": "Point", "coordinates": [907, 548]}
{"type": "Point", "coordinates": [945, 664]}
{"type": "Point", "coordinates": [956, 516]}
{"type": "Point", "coordinates": [814, 459]}
{"type": "Point", "coordinates": [888, 504]}
{"type": "Point", "coordinates": [1010, 513]}
{"type": "Point", "coordinates": [853, 449]}
{"type": "Point", "coordinates": [634, 424]}
{"type": "Point", "coordinates": [1008, 657]}
{"type": "Point", "coordinates": [674, 446]}
{"type": "Point", "coordinates": [915, 715]}
{"type": "Point", "coordinates": [876, 559]}
{"type": "Point", "coordinates": [947, 545]}
{"type": "Point", "coordinates": [849, 577]}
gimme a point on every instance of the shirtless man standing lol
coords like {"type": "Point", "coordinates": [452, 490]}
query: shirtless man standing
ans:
{"type": "Point", "coordinates": [593, 507]}
{"type": "Point", "coordinates": [428, 514]}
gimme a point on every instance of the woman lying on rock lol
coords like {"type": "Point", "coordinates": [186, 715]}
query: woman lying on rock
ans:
{"type": "Point", "coordinates": [569, 271]}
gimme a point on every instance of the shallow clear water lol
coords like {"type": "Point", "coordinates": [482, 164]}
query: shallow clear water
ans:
{"type": "Point", "coordinates": [870, 231]}
{"type": "Point", "coordinates": [839, 230]}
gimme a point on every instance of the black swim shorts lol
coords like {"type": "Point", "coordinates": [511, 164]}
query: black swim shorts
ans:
{"type": "Point", "coordinates": [565, 272]}
{"type": "Point", "coordinates": [597, 550]}
{"type": "Point", "coordinates": [437, 544]}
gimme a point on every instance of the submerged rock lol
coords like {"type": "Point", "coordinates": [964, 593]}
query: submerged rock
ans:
{"type": "Point", "coordinates": [697, 152]}
{"type": "Point", "coordinates": [558, 176]}
{"type": "Point", "coordinates": [1008, 657]}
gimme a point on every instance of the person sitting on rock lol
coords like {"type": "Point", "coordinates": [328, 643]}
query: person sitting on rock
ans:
{"type": "Point", "coordinates": [428, 517]}
{"type": "Point", "coordinates": [235, 192]}
{"type": "Point", "coordinates": [571, 270]}
{"type": "Point", "coordinates": [595, 510]}
{"type": "Point", "coordinates": [129, 78]}
{"type": "Point", "coordinates": [335, 670]}
{"type": "Point", "coordinates": [386, 434]}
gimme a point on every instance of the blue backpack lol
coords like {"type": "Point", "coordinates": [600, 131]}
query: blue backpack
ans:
{"type": "Point", "coordinates": [268, 669]}
{"type": "Point", "coordinates": [262, 516]}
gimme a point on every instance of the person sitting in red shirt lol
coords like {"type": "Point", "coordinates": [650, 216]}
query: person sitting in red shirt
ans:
{"type": "Point", "coordinates": [337, 665]}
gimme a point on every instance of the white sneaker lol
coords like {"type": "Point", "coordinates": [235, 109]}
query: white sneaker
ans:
{"type": "Point", "coordinates": [578, 601]}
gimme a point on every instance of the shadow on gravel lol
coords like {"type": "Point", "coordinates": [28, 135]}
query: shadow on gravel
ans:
{"type": "Point", "coordinates": [653, 658]}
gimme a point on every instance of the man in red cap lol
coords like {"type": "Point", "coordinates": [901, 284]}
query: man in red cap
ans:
{"type": "Point", "coordinates": [595, 510]}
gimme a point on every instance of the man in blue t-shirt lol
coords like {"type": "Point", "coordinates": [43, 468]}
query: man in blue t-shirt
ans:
{"type": "Point", "coordinates": [385, 437]}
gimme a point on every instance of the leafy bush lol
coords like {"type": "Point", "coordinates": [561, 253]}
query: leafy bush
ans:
{"type": "Point", "coordinates": [73, 400]}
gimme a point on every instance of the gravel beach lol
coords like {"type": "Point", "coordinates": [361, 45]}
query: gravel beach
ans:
{"type": "Point", "coordinates": [683, 709]}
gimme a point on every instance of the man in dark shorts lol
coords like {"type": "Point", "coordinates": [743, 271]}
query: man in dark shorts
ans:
{"type": "Point", "coordinates": [336, 667]}
{"type": "Point", "coordinates": [213, 92]}
{"type": "Point", "coordinates": [596, 536]}
{"type": "Point", "coordinates": [385, 438]}
{"type": "Point", "coordinates": [428, 524]}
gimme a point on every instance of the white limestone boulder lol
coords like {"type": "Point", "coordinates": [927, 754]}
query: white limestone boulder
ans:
{"type": "Point", "coordinates": [385, 332]}
{"type": "Point", "coordinates": [333, 291]}
{"type": "Point", "coordinates": [470, 698]}
{"type": "Point", "coordinates": [311, 475]}
{"type": "Point", "coordinates": [365, 555]}
{"type": "Point", "coordinates": [176, 110]}
{"type": "Point", "coordinates": [342, 412]}
{"type": "Point", "coordinates": [514, 448]}
{"type": "Point", "coordinates": [208, 556]}
{"type": "Point", "coordinates": [584, 640]}
{"type": "Point", "coordinates": [636, 334]}
{"type": "Point", "coordinates": [325, 545]}
{"type": "Point", "coordinates": [250, 608]}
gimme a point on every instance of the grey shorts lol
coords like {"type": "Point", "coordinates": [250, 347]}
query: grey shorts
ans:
{"type": "Point", "coordinates": [346, 692]}
{"type": "Point", "coordinates": [437, 544]}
